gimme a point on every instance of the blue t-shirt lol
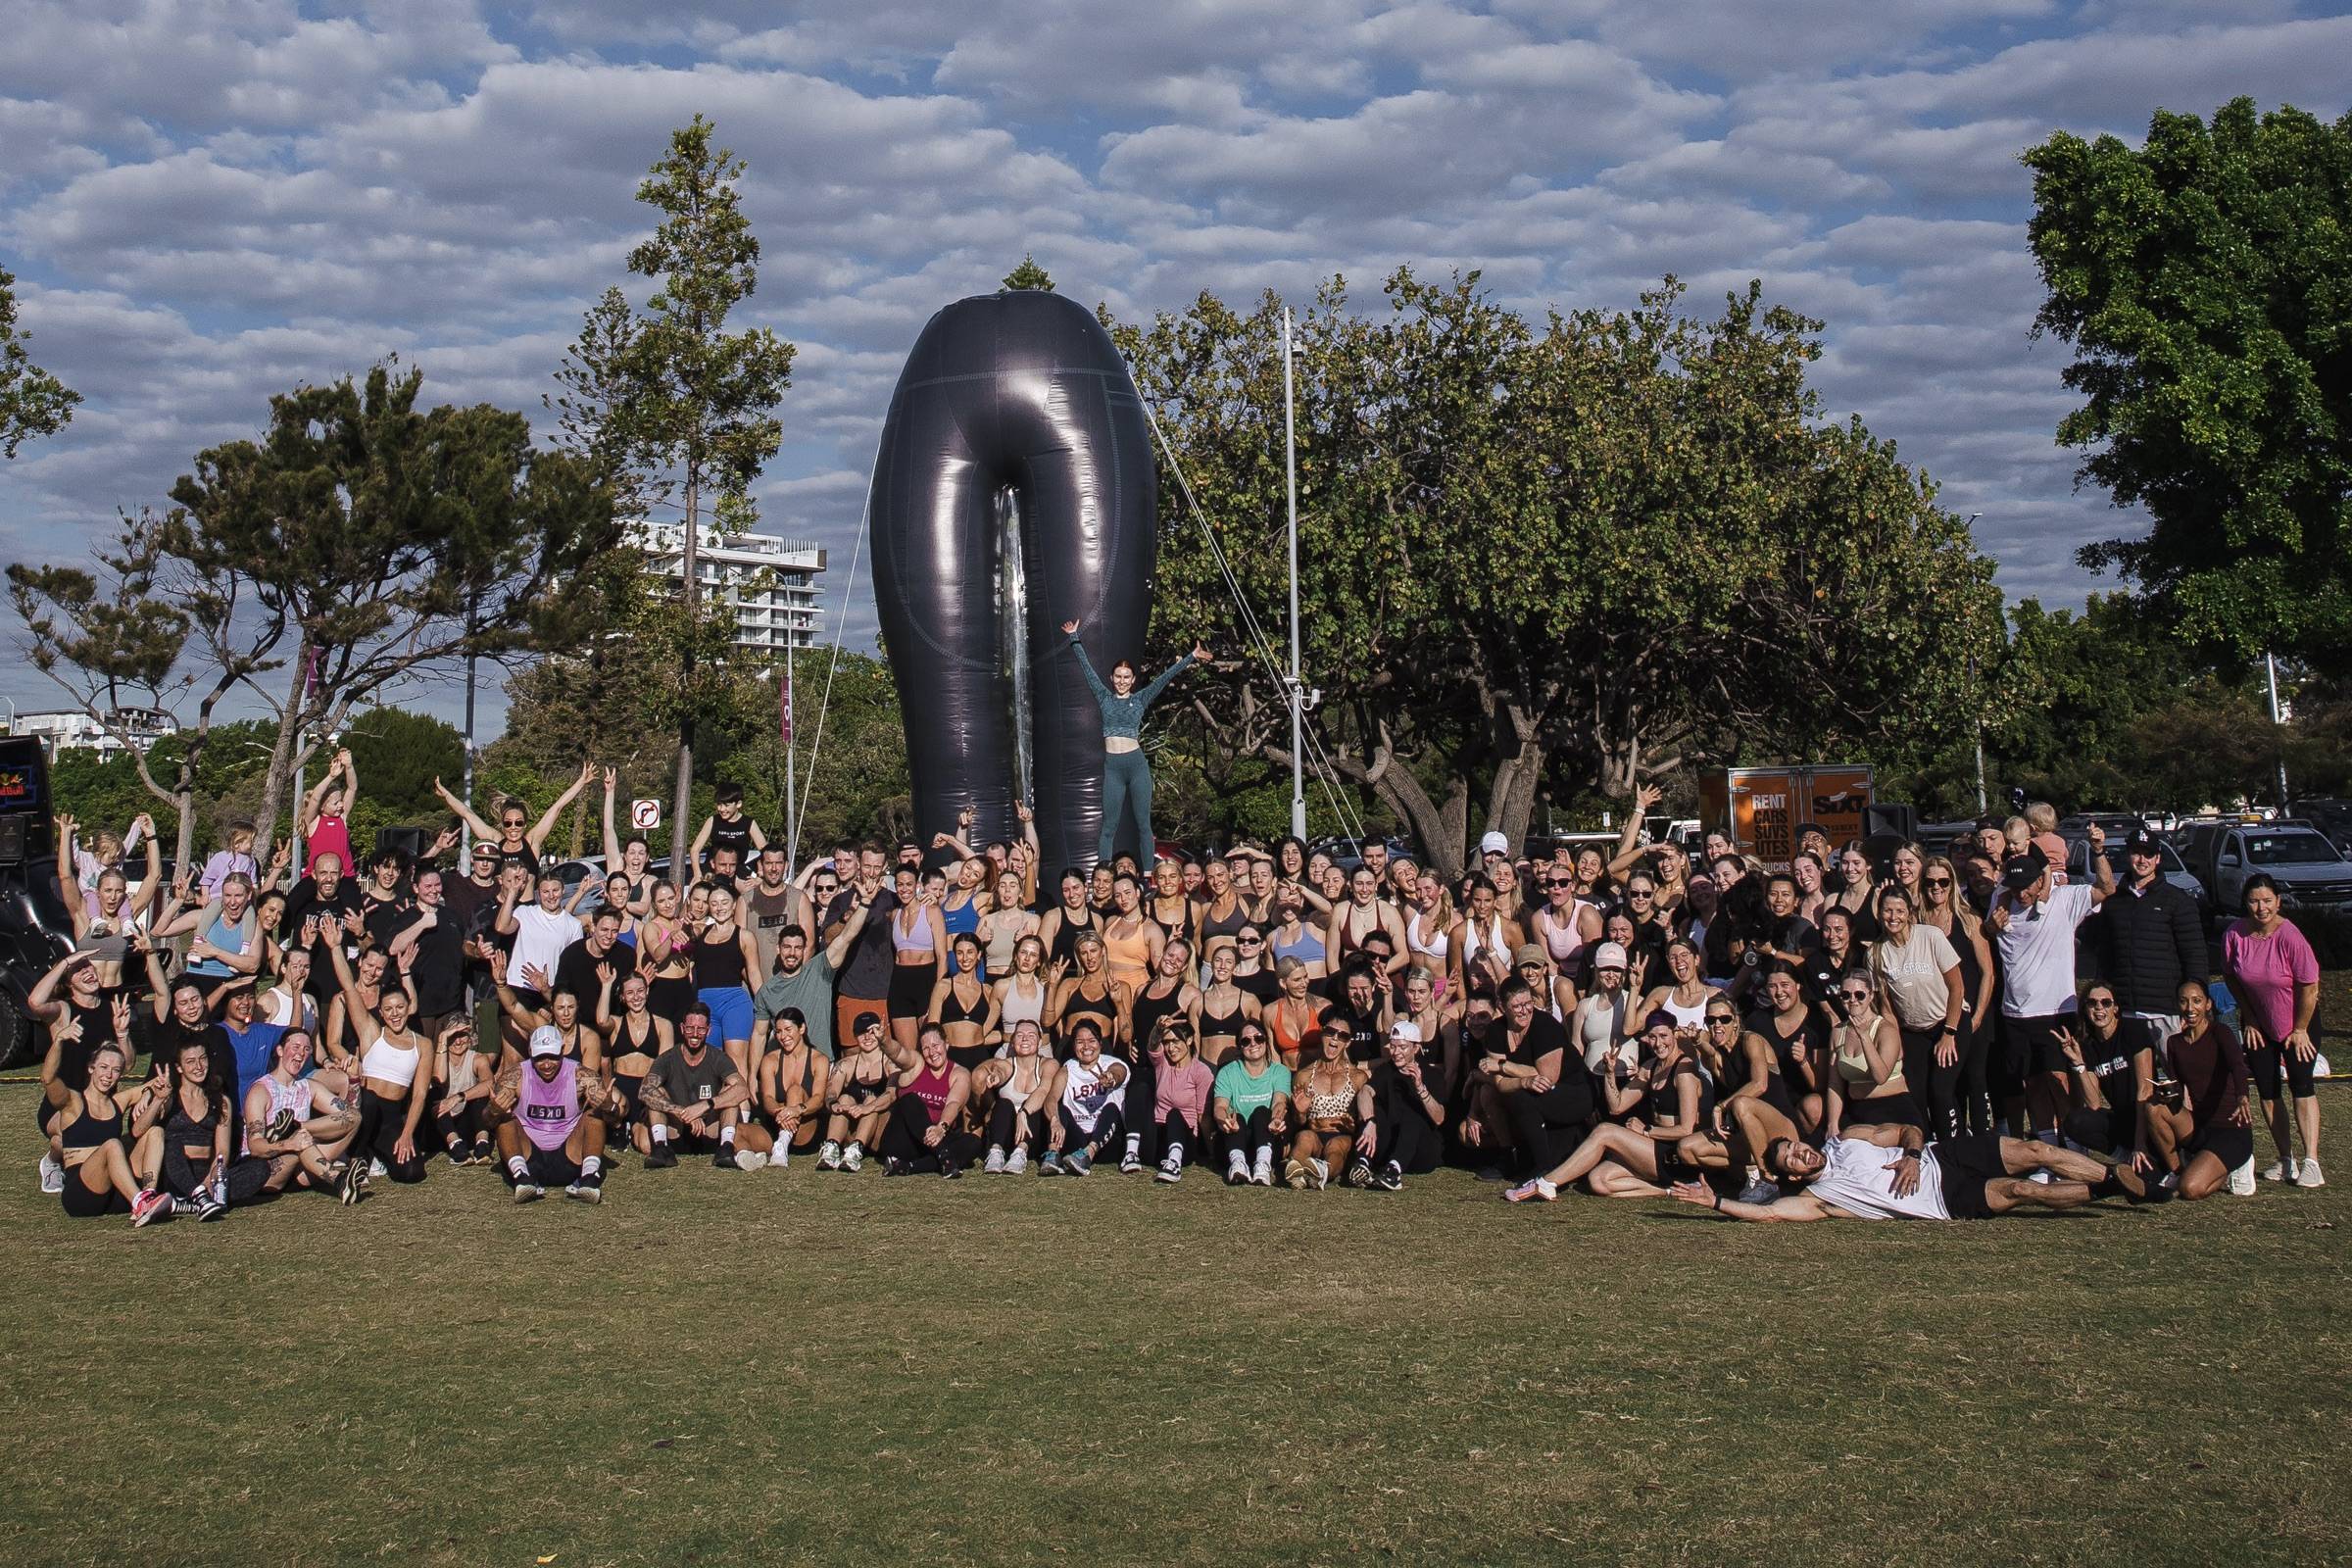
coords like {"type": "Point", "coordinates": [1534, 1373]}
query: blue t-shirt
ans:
{"type": "Point", "coordinates": [257, 1052]}
{"type": "Point", "coordinates": [1124, 715]}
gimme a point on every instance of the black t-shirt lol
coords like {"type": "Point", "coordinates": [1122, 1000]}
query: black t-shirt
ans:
{"type": "Point", "coordinates": [439, 971]}
{"type": "Point", "coordinates": [97, 1029]}
{"type": "Point", "coordinates": [1394, 1095]}
{"type": "Point", "coordinates": [473, 906]}
{"type": "Point", "coordinates": [1363, 1031]}
{"type": "Point", "coordinates": [865, 971]}
{"type": "Point", "coordinates": [575, 971]}
{"type": "Point", "coordinates": [1545, 1035]}
{"type": "Point", "coordinates": [1813, 1036]}
{"type": "Point", "coordinates": [305, 900]}
{"type": "Point", "coordinates": [689, 1081]}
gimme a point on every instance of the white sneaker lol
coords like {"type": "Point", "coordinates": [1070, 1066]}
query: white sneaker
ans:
{"type": "Point", "coordinates": [53, 1175]}
{"type": "Point", "coordinates": [2279, 1170]}
{"type": "Point", "coordinates": [1236, 1169]}
{"type": "Point", "coordinates": [828, 1155]}
{"type": "Point", "coordinates": [2242, 1180]}
{"type": "Point", "coordinates": [2310, 1176]}
{"type": "Point", "coordinates": [1170, 1171]}
{"type": "Point", "coordinates": [1017, 1162]}
{"type": "Point", "coordinates": [749, 1160]}
{"type": "Point", "coordinates": [995, 1163]}
{"type": "Point", "coordinates": [376, 1171]}
{"type": "Point", "coordinates": [1322, 1170]}
{"type": "Point", "coordinates": [853, 1157]}
{"type": "Point", "coordinates": [1262, 1173]}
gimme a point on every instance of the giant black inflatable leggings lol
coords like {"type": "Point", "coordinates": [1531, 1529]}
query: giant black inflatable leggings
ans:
{"type": "Point", "coordinates": [1015, 448]}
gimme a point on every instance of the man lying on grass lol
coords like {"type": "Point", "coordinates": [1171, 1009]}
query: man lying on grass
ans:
{"type": "Point", "coordinates": [1975, 1176]}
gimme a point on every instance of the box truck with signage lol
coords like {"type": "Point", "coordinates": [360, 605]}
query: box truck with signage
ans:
{"type": "Point", "coordinates": [1762, 807]}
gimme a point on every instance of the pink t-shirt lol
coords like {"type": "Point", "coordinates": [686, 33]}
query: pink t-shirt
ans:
{"type": "Point", "coordinates": [330, 835]}
{"type": "Point", "coordinates": [1184, 1089]}
{"type": "Point", "coordinates": [2267, 970]}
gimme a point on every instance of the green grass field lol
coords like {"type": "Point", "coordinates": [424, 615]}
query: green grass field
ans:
{"type": "Point", "coordinates": [784, 1367]}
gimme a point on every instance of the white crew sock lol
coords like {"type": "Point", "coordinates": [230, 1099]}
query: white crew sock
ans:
{"type": "Point", "coordinates": [726, 1135]}
{"type": "Point", "coordinates": [1135, 1143]}
{"type": "Point", "coordinates": [518, 1167]}
{"type": "Point", "coordinates": [661, 1133]}
{"type": "Point", "coordinates": [592, 1165]}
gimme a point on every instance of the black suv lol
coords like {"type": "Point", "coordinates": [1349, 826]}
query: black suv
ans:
{"type": "Point", "coordinates": [35, 929]}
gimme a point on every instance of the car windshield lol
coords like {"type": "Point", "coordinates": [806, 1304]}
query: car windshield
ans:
{"type": "Point", "coordinates": [2289, 849]}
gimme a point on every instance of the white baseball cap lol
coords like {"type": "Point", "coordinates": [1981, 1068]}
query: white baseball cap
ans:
{"type": "Point", "coordinates": [1405, 1029]}
{"type": "Point", "coordinates": [1494, 844]}
{"type": "Point", "coordinates": [1610, 956]}
{"type": "Point", "coordinates": [546, 1041]}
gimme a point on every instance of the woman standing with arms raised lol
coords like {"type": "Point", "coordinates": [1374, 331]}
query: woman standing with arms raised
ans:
{"type": "Point", "coordinates": [1126, 776]}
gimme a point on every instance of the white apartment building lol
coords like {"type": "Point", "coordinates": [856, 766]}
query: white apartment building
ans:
{"type": "Point", "coordinates": [771, 582]}
{"type": "Point", "coordinates": [71, 730]}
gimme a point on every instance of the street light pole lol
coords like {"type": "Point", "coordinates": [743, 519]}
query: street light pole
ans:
{"type": "Point", "coordinates": [2269, 664]}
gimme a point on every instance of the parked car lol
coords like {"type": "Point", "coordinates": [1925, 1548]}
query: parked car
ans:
{"type": "Point", "coordinates": [36, 928]}
{"type": "Point", "coordinates": [2332, 818]}
{"type": "Point", "coordinates": [1349, 853]}
{"type": "Point", "coordinates": [2312, 873]}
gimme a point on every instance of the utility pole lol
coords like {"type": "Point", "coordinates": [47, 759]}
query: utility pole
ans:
{"type": "Point", "coordinates": [473, 605]}
{"type": "Point", "coordinates": [1290, 452]}
{"type": "Point", "coordinates": [2269, 664]}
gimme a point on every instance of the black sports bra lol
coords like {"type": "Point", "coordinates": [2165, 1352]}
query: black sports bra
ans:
{"type": "Point", "coordinates": [717, 963]}
{"type": "Point", "coordinates": [89, 1129]}
{"type": "Point", "coordinates": [1216, 1024]}
{"type": "Point", "coordinates": [951, 1008]}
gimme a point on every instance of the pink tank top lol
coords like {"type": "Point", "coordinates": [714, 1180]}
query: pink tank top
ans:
{"type": "Point", "coordinates": [549, 1110]}
{"type": "Point", "coordinates": [932, 1089]}
{"type": "Point", "coordinates": [331, 835]}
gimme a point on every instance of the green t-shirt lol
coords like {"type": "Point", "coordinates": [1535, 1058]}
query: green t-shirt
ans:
{"type": "Point", "coordinates": [1246, 1094]}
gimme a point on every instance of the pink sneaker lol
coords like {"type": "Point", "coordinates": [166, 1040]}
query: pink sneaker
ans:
{"type": "Point", "coordinates": [149, 1205]}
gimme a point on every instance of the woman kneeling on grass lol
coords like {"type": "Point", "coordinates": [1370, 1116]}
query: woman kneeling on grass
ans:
{"type": "Point", "coordinates": [1252, 1108]}
{"type": "Point", "coordinates": [2198, 1137]}
{"type": "Point", "coordinates": [186, 1159]}
{"type": "Point", "coordinates": [1671, 1105]}
{"type": "Point", "coordinates": [1323, 1105]}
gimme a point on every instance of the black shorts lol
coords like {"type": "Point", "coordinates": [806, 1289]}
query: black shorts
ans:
{"type": "Point", "coordinates": [628, 1098]}
{"type": "Point", "coordinates": [81, 1202]}
{"type": "Point", "coordinates": [2271, 1064]}
{"type": "Point", "coordinates": [1966, 1163]}
{"type": "Point", "coordinates": [2033, 1043]}
{"type": "Point", "coordinates": [2232, 1146]}
{"type": "Point", "coordinates": [1673, 1167]}
{"type": "Point", "coordinates": [969, 1056]}
{"type": "Point", "coordinates": [1885, 1110]}
{"type": "Point", "coordinates": [551, 1167]}
{"type": "Point", "coordinates": [683, 1141]}
{"type": "Point", "coordinates": [2103, 1132]}
{"type": "Point", "coordinates": [911, 990]}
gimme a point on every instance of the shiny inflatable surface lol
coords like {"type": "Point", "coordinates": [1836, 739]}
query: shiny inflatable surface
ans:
{"type": "Point", "coordinates": [1014, 491]}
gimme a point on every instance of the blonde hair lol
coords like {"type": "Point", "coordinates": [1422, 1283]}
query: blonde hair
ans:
{"type": "Point", "coordinates": [2042, 817]}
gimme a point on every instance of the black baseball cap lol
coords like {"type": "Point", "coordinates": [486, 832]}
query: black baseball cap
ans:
{"type": "Point", "coordinates": [2142, 840]}
{"type": "Point", "coordinates": [2021, 871]}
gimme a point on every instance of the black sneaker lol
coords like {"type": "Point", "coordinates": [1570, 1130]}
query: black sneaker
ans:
{"type": "Point", "coordinates": [949, 1168]}
{"type": "Point", "coordinates": [589, 1189]}
{"type": "Point", "coordinates": [1359, 1175]}
{"type": "Point", "coordinates": [891, 1165]}
{"type": "Point", "coordinates": [208, 1207]}
{"type": "Point", "coordinates": [1492, 1173]}
{"type": "Point", "coordinates": [662, 1157]}
{"type": "Point", "coordinates": [282, 1127]}
{"type": "Point", "coordinates": [1391, 1177]}
{"type": "Point", "coordinates": [724, 1159]}
{"type": "Point", "coordinates": [483, 1154]}
{"type": "Point", "coordinates": [459, 1156]}
{"type": "Point", "coordinates": [354, 1177]}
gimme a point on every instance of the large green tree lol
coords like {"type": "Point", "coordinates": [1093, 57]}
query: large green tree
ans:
{"type": "Point", "coordinates": [2205, 281]}
{"type": "Point", "coordinates": [1563, 557]}
{"type": "Point", "coordinates": [681, 402]}
{"type": "Point", "coordinates": [32, 402]}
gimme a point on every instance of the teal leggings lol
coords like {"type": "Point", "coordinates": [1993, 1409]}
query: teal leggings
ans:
{"type": "Point", "coordinates": [1126, 787]}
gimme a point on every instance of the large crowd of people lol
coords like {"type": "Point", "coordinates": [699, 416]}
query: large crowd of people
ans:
{"type": "Point", "coordinates": [1867, 1034]}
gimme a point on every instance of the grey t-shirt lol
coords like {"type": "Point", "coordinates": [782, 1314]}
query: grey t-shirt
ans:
{"type": "Point", "coordinates": [687, 1082]}
{"type": "Point", "coordinates": [808, 988]}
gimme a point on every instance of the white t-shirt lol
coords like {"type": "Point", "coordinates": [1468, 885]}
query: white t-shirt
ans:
{"type": "Point", "coordinates": [1913, 975]}
{"type": "Point", "coordinates": [1857, 1180]}
{"type": "Point", "coordinates": [540, 939]}
{"type": "Point", "coordinates": [2037, 953]}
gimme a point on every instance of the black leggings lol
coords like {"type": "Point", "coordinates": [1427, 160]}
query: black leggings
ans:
{"type": "Point", "coordinates": [1550, 1125]}
{"type": "Point", "coordinates": [1976, 1080]}
{"type": "Point", "coordinates": [2271, 1064]}
{"type": "Point", "coordinates": [1010, 1128]}
{"type": "Point", "coordinates": [466, 1127]}
{"type": "Point", "coordinates": [1407, 1139]}
{"type": "Point", "coordinates": [380, 1124]}
{"type": "Point", "coordinates": [1108, 1127]}
{"type": "Point", "coordinates": [1935, 1090]}
{"type": "Point", "coordinates": [1177, 1137]}
{"type": "Point", "coordinates": [181, 1176]}
{"type": "Point", "coordinates": [902, 1138]}
{"type": "Point", "coordinates": [1254, 1137]}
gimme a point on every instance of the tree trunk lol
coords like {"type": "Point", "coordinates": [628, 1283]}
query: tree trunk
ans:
{"type": "Point", "coordinates": [1512, 800]}
{"type": "Point", "coordinates": [681, 837]}
{"type": "Point", "coordinates": [282, 761]}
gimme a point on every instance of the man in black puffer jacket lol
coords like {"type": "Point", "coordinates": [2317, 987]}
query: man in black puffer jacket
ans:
{"type": "Point", "coordinates": [2154, 939]}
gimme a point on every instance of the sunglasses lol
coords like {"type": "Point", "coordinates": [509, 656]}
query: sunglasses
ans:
{"type": "Point", "coordinates": [511, 821]}
{"type": "Point", "coordinates": [1936, 882]}
{"type": "Point", "coordinates": [1559, 882]}
{"type": "Point", "coordinates": [1721, 1017]}
{"type": "Point", "coordinates": [1854, 996]}
{"type": "Point", "coordinates": [2102, 1004]}
{"type": "Point", "coordinates": [1252, 1039]}
{"type": "Point", "coordinates": [1249, 941]}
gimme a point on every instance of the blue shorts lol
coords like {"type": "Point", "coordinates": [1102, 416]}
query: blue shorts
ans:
{"type": "Point", "coordinates": [730, 1011]}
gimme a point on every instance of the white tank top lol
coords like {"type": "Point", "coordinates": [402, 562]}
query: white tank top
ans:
{"type": "Point", "coordinates": [1685, 1017]}
{"type": "Point", "coordinates": [391, 1064]}
{"type": "Point", "coordinates": [1017, 1007]}
{"type": "Point", "coordinates": [1475, 941]}
{"type": "Point", "coordinates": [1563, 944]}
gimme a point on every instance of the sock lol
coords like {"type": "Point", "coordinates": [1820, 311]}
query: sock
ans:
{"type": "Point", "coordinates": [518, 1167]}
{"type": "Point", "coordinates": [661, 1133]}
{"type": "Point", "coordinates": [1265, 1153]}
{"type": "Point", "coordinates": [726, 1136]}
{"type": "Point", "coordinates": [1135, 1143]}
{"type": "Point", "coordinates": [592, 1165]}
{"type": "Point", "coordinates": [1174, 1155]}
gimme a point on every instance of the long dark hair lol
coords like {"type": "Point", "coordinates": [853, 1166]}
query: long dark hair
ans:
{"type": "Point", "coordinates": [216, 1097]}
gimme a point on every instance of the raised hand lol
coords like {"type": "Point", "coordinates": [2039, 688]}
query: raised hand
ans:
{"type": "Point", "coordinates": [1069, 625]}
{"type": "Point", "coordinates": [1647, 796]}
{"type": "Point", "coordinates": [611, 779]}
{"type": "Point", "coordinates": [1200, 651]}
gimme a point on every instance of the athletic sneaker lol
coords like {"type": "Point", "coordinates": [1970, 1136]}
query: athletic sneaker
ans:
{"type": "Point", "coordinates": [1236, 1169]}
{"type": "Point", "coordinates": [1759, 1190]}
{"type": "Point", "coordinates": [208, 1207]}
{"type": "Point", "coordinates": [355, 1177]}
{"type": "Point", "coordinates": [1492, 1173]}
{"type": "Point", "coordinates": [1322, 1169]}
{"type": "Point", "coordinates": [589, 1189]}
{"type": "Point", "coordinates": [1017, 1162]}
{"type": "Point", "coordinates": [282, 1127]}
{"type": "Point", "coordinates": [2242, 1180]}
{"type": "Point", "coordinates": [749, 1160]}
{"type": "Point", "coordinates": [150, 1204]}
{"type": "Point", "coordinates": [2310, 1175]}
{"type": "Point", "coordinates": [375, 1170]}
{"type": "Point", "coordinates": [53, 1175]}
{"type": "Point", "coordinates": [1077, 1163]}
{"type": "Point", "coordinates": [662, 1156]}
{"type": "Point", "coordinates": [1359, 1175]}
{"type": "Point", "coordinates": [828, 1155]}
{"type": "Point", "coordinates": [1051, 1165]}
{"type": "Point", "coordinates": [1391, 1177]}
{"type": "Point", "coordinates": [2280, 1170]}
{"type": "Point", "coordinates": [950, 1167]}
{"type": "Point", "coordinates": [852, 1159]}
{"type": "Point", "coordinates": [483, 1154]}
{"type": "Point", "coordinates": [893, 1165]}
{"type": "Point", "coordinates": [725, 1159]}
{"type": "Point", "coordinates": [995, 1163]}
{"type": "Point", "coordinates": [1171, 1171]}
{"type": "Point", "coordinates": [1263, 1174]}
{"type": "Point", "coordinates": [1295, 1174]}
{"type": "Point", "coordinates": [1130, 1162]}
{"type": "Point", "coordinates": [528, 1190]}
{"type": "Point", "coordinates": [1534, 1189]}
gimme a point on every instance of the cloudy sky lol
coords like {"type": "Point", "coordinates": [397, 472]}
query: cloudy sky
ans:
{"type": "Point", "coordinates": [213, 200]}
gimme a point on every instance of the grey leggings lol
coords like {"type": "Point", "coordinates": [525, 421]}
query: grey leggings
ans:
{"type": "Point", "coordinates": [1126, 789]}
